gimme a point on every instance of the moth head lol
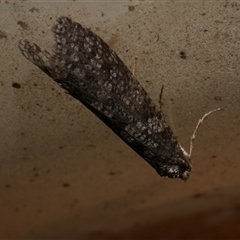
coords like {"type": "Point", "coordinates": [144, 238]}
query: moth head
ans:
{"type": "Point", "coordinates": [181, 169]}
{"type": "Point", "coordinates": [177, 171]}
{"type": "Point", "coordinates": [185, 175]}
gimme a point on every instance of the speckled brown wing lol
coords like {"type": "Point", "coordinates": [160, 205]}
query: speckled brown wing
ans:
{"type": "Point", "coordinates": [90, 71]}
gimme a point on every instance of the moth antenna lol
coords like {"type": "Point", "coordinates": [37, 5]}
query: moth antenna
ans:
{"type": "Point", "coordinates": [197, 127]}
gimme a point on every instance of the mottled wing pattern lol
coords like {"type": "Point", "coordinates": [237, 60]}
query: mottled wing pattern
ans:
{"type": "Point", "coordinates": [90, 71]}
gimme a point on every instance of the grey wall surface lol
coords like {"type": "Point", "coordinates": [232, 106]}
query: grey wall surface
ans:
{"type": "Point", "coordinates": [63, 173]}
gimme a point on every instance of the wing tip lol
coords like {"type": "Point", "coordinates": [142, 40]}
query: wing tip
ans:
{"type": "Point", "coordinates": [63, 23]}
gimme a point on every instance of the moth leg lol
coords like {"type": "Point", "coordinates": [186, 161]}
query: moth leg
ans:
{"type": "Point", "coordinates": [134, 66]}
{"type": "Point", "coordinates": [197, 127]}
{"type": "Point", "coordinates": [160, 98]}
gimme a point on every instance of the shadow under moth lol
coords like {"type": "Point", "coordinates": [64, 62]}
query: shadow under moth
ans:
{"type": "Point", "coordinates": [84, 65]}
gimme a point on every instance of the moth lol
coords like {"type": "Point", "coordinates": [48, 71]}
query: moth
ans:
{"type": "Point", "coordinates": [90, 71]}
